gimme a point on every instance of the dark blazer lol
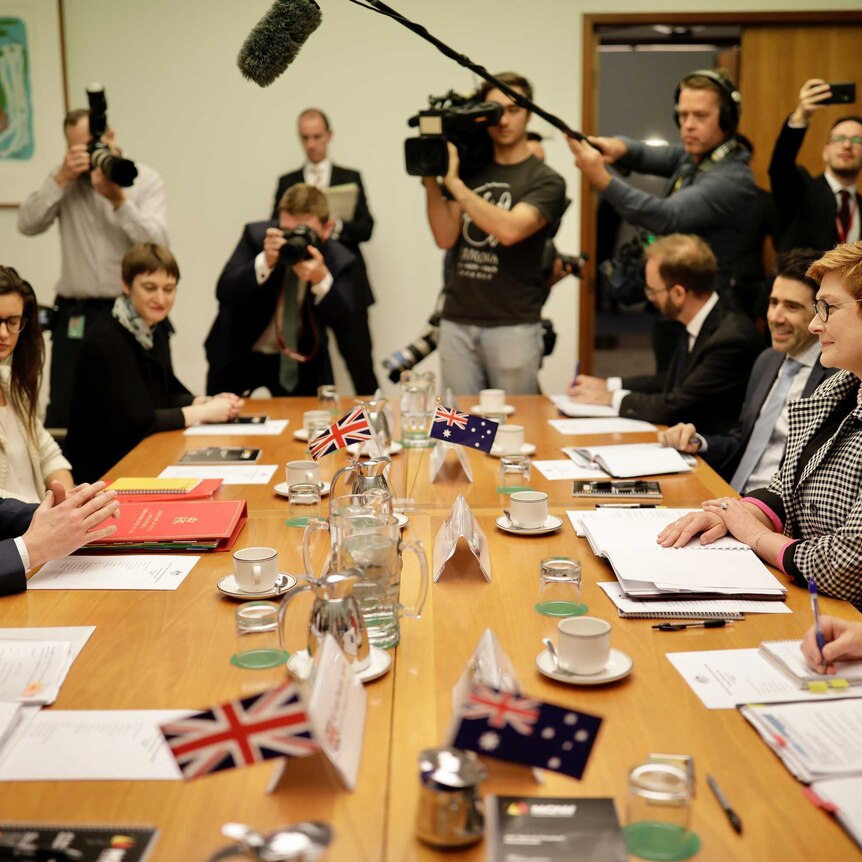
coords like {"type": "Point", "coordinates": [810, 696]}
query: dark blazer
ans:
{"type": "Point", "coordinates": [352, 232]}
{"type": "Point", "coordinates": [724, 451]}
{"type": "Point", "coordinates": [15, 518]}
{"type": "Point", "coordinates": [711, 389]}
{"type": "Point", "coordinates": [122, 394]}
{"type": "Point", "coordinates": [246, 309]}
{"type": "Point", "coordinates": [806, 205]}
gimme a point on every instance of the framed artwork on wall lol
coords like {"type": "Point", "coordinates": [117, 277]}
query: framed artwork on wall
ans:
{"type": "Point", "coordinates": [32, 94]}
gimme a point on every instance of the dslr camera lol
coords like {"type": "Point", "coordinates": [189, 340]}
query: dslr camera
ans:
{"type": "Point", "coordinates": [117, 169]}
{"type": "Point", "coordinates": [459, 119]}
{"type": "Point", "coordinates": [295, 249]}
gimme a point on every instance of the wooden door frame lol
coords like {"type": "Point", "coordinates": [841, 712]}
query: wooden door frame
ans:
{"type": "Point", "coordinates": [589, 109]}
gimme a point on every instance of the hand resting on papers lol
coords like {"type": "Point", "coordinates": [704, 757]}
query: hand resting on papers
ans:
{"type": "Point", "coordinates": [843, 643]}
{"type": "Point", "coordinates": [65, 521]}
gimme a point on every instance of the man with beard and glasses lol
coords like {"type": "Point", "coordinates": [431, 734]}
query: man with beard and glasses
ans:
{"type": "Point", "coordinates": [713, 345]}
{"type": "Point", "coordinates": [821, 211]}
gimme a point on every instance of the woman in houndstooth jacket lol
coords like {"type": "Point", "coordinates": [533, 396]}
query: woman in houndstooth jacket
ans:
{"type": "Point", "coordinates": [808, 521]}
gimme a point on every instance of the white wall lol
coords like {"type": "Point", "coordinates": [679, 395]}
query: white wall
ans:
{"type": "Point", "coordinates": [178, 103]}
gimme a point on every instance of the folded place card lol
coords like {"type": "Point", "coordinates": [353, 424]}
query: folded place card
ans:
{"type": "Point", "coordinates": [438, 456]}
{"type": "Point", "coordinates": [461, 523]}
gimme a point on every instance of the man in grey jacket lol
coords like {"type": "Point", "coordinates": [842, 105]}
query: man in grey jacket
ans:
{"type": "Point", "coordinates": [709, 184]}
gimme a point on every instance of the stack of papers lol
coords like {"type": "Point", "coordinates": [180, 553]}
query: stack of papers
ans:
{"type": "Point", "coordinates": [787, 657]}
{"type": "Point", "coordinates": [269, 428]}
{"type": "Point", "coordinates": [600, 426]}
{"type": "Point", "coordinates": [627, 460]}
{"type": "Point", "coordinates": [724, 569]}
{"type": "Point", "coordinates": [32, 671]}
{"type": "Point", "coordinates": [567, 407]}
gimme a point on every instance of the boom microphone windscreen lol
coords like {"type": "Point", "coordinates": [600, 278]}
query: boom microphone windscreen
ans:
{"type": "Point", "coordinates": [276, 39]}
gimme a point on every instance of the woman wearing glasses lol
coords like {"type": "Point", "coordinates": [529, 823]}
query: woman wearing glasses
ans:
{"type": "Point", "coordinates": [808, 521]}
{"type": "Point", "coordinates": [30, 459]}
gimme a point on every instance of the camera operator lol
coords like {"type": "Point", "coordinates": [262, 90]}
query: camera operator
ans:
{"type": "Point", "coordinates": [496, 222]}
{"type": "Point", "coordinates": [710, 185]}
{"type": "Point", "coordinates": [99, 222]}
{"type": "Point", "coordinates": [286, 281]}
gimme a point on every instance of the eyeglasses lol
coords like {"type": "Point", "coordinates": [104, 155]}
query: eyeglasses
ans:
{"type": "Point", "coordinates": [823, 309]}
{"type": "Point", "coordinates": [856, 140]}
{"type": "Point", "coordinates": [13, 324]}
{"type": "Point", "coordinates": [650, 292]}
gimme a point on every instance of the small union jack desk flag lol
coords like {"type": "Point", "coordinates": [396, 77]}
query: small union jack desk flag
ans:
{"type": "Point", "coordinates": [514, 728]}
{"type": "Point", "coordinates": [353, 427]}
{"type": "Point", "coordinates": [453, 426]}
{"type": "Point", "coordinates": [241, 732]}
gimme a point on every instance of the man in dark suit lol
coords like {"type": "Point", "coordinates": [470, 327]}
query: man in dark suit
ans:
{"type": "Point", "coordinates": [826, 210]}
{"type": "Point", "coordinates": [352, 336]}
{"type": "Point", "coordinates": [31, 535]}
{"type": "Point", "coordinates": [285, 282]}
{"type": "Point", "coordinates": [703, 379]}
{"type": "Point", "coordinates": [749, 454]}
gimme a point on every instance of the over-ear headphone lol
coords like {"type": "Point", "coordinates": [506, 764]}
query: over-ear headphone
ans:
{"type": "Point", "coordinates": [731, 98]}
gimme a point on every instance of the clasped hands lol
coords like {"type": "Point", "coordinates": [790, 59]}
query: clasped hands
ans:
{"type": "Point", "coordinates": [719, 517]}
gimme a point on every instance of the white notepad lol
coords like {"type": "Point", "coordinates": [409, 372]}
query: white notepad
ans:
{"type": "Point", "coordinates": [628, 460]}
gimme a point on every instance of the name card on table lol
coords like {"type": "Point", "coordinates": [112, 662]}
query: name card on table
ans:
{"type": "Point", "coordinates": [282, 723]}
{"type": "Point", "coordinates": [438, 456]}
{"type": "Point", "coordinates": [461, 523]}
{"type": "Point", "coordinates": [494, 718]}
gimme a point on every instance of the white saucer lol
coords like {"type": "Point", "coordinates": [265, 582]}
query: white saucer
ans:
{"type": "Point", "coordinates": [229, 587]}
{"type": "Point", "coordinates": [283, 489]}
{"type": "Point", "coordinates": [402, 519]}
{"type": "Point", "coordinates": [394, 448]}
{"type": "Point", "coordinates": [552, 522]}
{"type": "Point", "coordinates": [620, 665]}
{"type": "Point", "coordinates": [299, 664]}
{"type": "Point", "coordinates": [526, 449]}
{"type": "Point", "coordinates": [506, 410]}
{"type": "Point", "coordinates": [300, 434]}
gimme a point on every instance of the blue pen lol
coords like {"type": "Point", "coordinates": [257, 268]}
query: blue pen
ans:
{"type": "Point", "coordinates": [577, 372]}
{"type": "Point", "coordinates": [818, 628]}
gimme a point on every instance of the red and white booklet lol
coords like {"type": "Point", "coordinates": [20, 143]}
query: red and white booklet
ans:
{"type": "Point", "coordinates": [208, 525]}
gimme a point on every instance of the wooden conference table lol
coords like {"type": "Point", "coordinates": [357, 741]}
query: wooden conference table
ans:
{"type": "Point", "coordinates": [165, 650]}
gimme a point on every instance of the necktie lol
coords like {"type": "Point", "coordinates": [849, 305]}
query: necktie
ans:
{"type": "Point", "coordinates": [844, 215]}
{"type": "Point", "coordinates": [288, 369]}
{"type": "Point", "coordinates": [765, 424]}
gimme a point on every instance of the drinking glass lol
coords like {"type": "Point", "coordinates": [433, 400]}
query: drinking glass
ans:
{"type": "Point", "coordinates": [417, 407]}
{"type": "Point", "coordinates": [559, 593]}
{"type": "Point", "coordinates": [328, 398]}
{"type": "Point", "coordinates": [514, 473]}
{"type": "Point", "coordinates": [304, 503]}
{"type": "Point", "coordinates": [659, 813]}
{"type": "Point", "coordinates": [258, 648]}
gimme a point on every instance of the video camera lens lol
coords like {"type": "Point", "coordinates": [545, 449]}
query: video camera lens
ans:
{"type": "Point", "coordinates": [297, 241]}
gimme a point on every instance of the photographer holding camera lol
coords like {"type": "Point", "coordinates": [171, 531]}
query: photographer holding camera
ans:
{"type": "Point", "coordinates": [286, 281]}
{"type": "Point", "coordinates": [104, 205]}
{"type": "Point", "coordinates": [496, 221]}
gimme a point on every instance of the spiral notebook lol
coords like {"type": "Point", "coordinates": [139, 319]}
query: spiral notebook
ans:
{"type": "Point", "coordinates": [152, 485]}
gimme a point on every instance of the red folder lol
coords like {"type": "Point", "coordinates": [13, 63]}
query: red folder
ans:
{"type": "Point", "coordinates": [209, 525]}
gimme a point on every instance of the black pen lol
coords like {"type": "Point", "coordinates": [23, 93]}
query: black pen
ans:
{"type": "Point", "coordinates": [627, 506]}
{"type": "Point", "coordinates": [732, 816]}
{"type": "Point", "coordinates": [703, 624]}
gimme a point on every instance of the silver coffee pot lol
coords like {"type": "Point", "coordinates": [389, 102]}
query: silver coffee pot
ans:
{"type": "Point", "coordinates": [450, 807]}
{"type": "Point", "coordinates": [368, 475]}
{"type": "Point", "coordinates": [335, 611]}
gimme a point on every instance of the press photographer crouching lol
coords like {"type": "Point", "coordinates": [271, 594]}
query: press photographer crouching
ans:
{"type": "Point", "coordinates": [104, 204]}
{"type": "Point", "coordinates": [286, 281]}
{"type": "Point", "coordinates": [496, 220]}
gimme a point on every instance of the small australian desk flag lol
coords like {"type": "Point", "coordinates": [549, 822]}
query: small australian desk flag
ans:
{"type": "Point", "coordinates": [515, 728]}
{"type": "Point", "coordinates": [453, 426]}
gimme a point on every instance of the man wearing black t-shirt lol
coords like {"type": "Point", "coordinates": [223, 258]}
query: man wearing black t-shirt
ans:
{"type": "Point", "coordinates": [497, 223]}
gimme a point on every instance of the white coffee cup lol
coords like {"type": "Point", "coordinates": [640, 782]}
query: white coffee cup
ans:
{"type": "Point", "coordinates": [509, 439]}
{"type": "Point", "coordinates": [528, 509]}
{"type": "Point", "coordinates": [583, 645]}
{"type": "Point", "coordinates": [315, 417]}
{"type": "Point", "coordinates": [302, 472]}
{"type": "Point", "coordinates": [492, 400]}
{"type": "Point", "coordinates": [255, 569]}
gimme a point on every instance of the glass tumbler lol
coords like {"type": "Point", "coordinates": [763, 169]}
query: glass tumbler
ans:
{"type": "Point", "coordinates": [258, 646]}
{"type": "Point", "coordinates": [304, 503]}
{"type": "Point", "coordinates": [329, 399]}
{"type": "Point", "coordinates": [559, 593]}
{"type": "Point", "coordinates": [659, 813]}
{"type": "Point", "coordinates": [514, 473]}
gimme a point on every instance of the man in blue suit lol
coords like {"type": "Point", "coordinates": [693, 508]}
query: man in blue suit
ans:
{"type": "Point", "coordinates": [31, 535]}
{"type": "Point", "coordinates": [752, 450]}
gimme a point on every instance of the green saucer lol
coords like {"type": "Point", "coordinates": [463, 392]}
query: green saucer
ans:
{"type": "Point", "coordinates": [511, 489]}
{"type": "Point", "coordinates": [561, 610]}
{"type": "Point", "coordinates": [259, 659]}
{"type": "Point", "coordinates": [663, 841]}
